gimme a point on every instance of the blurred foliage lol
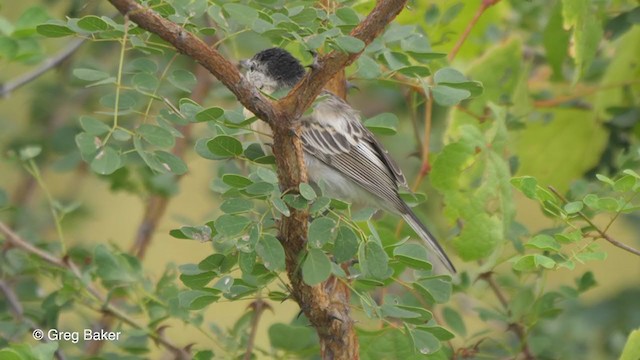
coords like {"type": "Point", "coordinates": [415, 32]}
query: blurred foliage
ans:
{"type": "Point", "coordinates": [539, 94]}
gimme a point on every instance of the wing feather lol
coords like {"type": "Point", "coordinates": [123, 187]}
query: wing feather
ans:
{"type": "Point", "coordinates": [354, 152]}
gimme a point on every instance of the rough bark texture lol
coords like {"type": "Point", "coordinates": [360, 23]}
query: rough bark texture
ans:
{"type": "Point", "coordinates": [328, 312]}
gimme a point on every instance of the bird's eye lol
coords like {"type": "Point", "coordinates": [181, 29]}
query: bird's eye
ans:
{"type": "Point", "coordinates": [252, 68]}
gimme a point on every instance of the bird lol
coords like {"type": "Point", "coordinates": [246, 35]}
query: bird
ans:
{"type": "Point", "coordinates": [338, 149]}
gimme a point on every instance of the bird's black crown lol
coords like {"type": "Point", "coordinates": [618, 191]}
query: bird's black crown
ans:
{"type": "Point", "coordinates": [280, 65]}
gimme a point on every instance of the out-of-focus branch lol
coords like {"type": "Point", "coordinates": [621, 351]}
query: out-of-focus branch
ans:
{"type": "Point", "coordinates": [11, 85]}
{"type": "Point", "coordinates": [18, 312]}
{"type": "Point", "coordinates": [484, 5]}
{"type": "Point", "coordinates": [516, 327]}
{"type": "Point", "coordinates": [67, 265]}
{"type": "Point", "coordinates": [258, 306]}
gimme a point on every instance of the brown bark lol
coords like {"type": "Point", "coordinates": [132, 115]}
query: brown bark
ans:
{"type": "Point", "coordinates": [332, 321]}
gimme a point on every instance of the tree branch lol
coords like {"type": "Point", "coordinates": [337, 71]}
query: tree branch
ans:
{"type": "Point", "coordinates": [332, 322]}
{"type": "Point", "coordinates": [11, 85]}
{"type": "Point", "coordinates": [603, 234]}
{"type": "Point", "coordinates": [516, 327]}
{"type": "Point", "coordinates": [68, 265]}
{"type": "Point", "coordinates": [484, 5]}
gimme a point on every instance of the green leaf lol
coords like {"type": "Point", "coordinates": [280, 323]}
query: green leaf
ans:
{"type": "Point", "coordinates": [307, 191]}
{"type": "Point", "coordinates": [197, 299]}
{"type": "Point", "coordinates": [200, 233]}
{"type": "Point", "coordinates": [231, 225]}
{"type": "Point", "coordinates": [449, 96]}
{"type": "Point", "coordinates": [260, 188]}
{"type": "Point", "coordinates": [424, 342]}
{"type": "Point", "coordinates": [295, 201]}
{"type": "Point", "coordinates": [236, 181]}
{"type": "Point", "coordinates": [271, 252]}
{"type": "Point", "coordinates": [316, 267]}
{"type": "Point", "coordinates": [54, 30]}
{"type": "Point", "coordinates": [183, 79]}
{"type": "Point", "coordinates": [320, 205]}
{"type": "Point", "coordinates": [587, 32]}
{"type": "Point", "coordinates": [236, 205]}
{"type": "Point", "coordinates": [225, 145]}
{"type": "Point", "coordinates": [439, 332]}
{"type": "Point", "coordinates": [415, 71]}
{"type": "Point", "coordinates": [292, 338]}
{"type": "Point", "coordinates": [436, 289]}
{"type": "Point", "coordinates": [106, 161]}
{"type": "Point", "coordinates": [171, 163]}
{"type": "Point", "coordinates": [156, 135]}
{"type": "Point", "coordinates": [383, 124]}
{"type": "Point", "coordinates": [527, 185]}
{"type": "Point", "coordinates": [198, 280]}
{"type": "Point", "coordinates": [346, 244]}
{"type": "Point", "coordinates": [631, 349]}
{"type": "Point", "coordinates": [625, 183]}
{"type": "Point", "coordinates": [321, 231]}
{"type": "Point", "coordinates": [391, 310]}
{"type": "Point", "coordinates": [209, 114]}
{"type": "Point", "coordinates": [532, 262]}
{"type": "Point", "coordinates": [573, 207]}
{"type": "Point", "coordinates": [349, 44]}
{"type": "Point", "coordinates": [348, 16]}
{"type": "Point", "coordinates": [93, 23]}
{"type": "Point", "coordinates": [93, 126]}
{"type": "Point", "coordinates": [145, 82]}
{"type": "Point", "coordinates": [556, 41]}
{"type": "Point", "coordinates": [267, 175]}
{"type": "Point", "coordinates": [90, 74]}
{"type": "Point", "coordinates": [454, 320]}
{"type": "Point", "coordinates": [29, 152]}
{"type": "Point", "coordinates": [413, 255]}
{"type": "Point", "coordinates": [281, 206]}
{"type": "Point", "coordinates": [373, 260]}
{"type": "Point", "coordinates": [367, 68]}
{"type": "Point", "coordinates": [544, 242]}
{"type": "Point", "coordinates": [240, 13]}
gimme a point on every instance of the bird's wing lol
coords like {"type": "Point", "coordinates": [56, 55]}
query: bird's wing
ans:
{"type": "Point", "coordinates": [334, 135]}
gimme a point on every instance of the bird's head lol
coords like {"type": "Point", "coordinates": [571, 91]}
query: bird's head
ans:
{"type": "Point", "coordinates": [273, 69]}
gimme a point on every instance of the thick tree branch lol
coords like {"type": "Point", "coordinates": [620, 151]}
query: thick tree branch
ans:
{"type": "Point", "coordinates": [332, 322]}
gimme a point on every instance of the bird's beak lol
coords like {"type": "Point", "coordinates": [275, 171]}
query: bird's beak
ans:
{"type": "Point", "coordinates": [244, 64]}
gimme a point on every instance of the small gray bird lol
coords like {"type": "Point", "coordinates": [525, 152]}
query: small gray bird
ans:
{"type": "Point", "coordinates": [339, 150]}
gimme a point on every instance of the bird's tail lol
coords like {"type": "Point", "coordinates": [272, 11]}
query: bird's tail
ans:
{"type": "Point", "coordinates": [429, 239]}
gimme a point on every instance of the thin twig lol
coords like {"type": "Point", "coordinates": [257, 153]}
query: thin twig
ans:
{"type": "Point", "coordinates": [70, 266]}
{"type": "Point", "coordinates": [258, 306]}
{"type": "Point", "coordinates": [576, 94]}
{"type": "Point", "coordinates": [11, 85]}
{"type": "Point", "coordinates": [603, 234]}
{"type": "Point", "coordinates": [516, 327]}
{"type": "Point", "coordinates": [484, 5]}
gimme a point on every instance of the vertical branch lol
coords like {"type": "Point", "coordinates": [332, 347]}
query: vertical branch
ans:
{"type": "Point", "coordinates": [516, 327]}
{"type": "Point", "coordinates": [484, 5]}
{"type": "Point", "coordinates": [425, 168]}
